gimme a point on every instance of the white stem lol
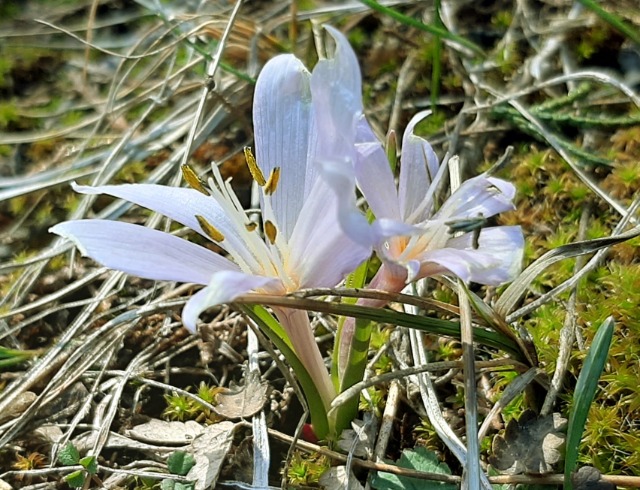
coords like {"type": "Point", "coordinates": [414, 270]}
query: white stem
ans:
{"type": "Point", "coordinates": [298, 327]}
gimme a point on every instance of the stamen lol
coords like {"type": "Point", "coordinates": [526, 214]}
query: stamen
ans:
{"type": "Point", "coordinates": [251, 226]}
{"type": "Point", "coordinates": [210, 230]}
{"type": "Point", "coordinates": [272, 183]}
{"type": "Point", "coordinates": [191, 178]}
{"type": "Point", "coordinates": [270, 231]}
{"type": "Point", "coordinates": [256, 173]}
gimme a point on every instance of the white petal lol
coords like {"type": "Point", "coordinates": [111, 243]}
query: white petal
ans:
{"type": "Point", "coordinates": [339, 192]}
{"type": "Point", "coordinates": [285, 134]}
{"type": "Point", "coordinates": [331, 238]}
{"type": "Point", "coordinates": [482, 195]}
{"type": "Point", "coordinates": [143, 252]}
{"type": "Point", "coordinates": [181, 205]}
{"type": "Point", "coordinates": [376, 181]}
{"type": "Point", "coordinates": [497, 260]}
{"type": "Point", "coordinates": [418, 168]}
{"type": "Point", "coordinates": [225, 287]}
{"type": "Point", "coordinates": [336, 88]}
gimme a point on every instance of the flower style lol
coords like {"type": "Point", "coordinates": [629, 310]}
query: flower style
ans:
{"type": "Point", "coordinates": [303, 246]}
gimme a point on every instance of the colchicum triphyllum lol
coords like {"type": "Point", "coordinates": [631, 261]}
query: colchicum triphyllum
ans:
{"type": "Point", "coordinates": [313, 143]}
{"type": "Point", "coordinates": [303, 245]}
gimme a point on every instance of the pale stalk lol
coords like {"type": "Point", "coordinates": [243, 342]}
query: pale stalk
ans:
{"type": "Point", "coordinates": [298, 328]}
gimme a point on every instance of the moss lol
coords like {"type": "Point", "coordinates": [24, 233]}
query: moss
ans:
{"type": "Point", "coordinates": [431, 125]}
{"type": "Point", "coordinates": [8, 114]}
{"type": "Point", "coordinates": [549, 206]}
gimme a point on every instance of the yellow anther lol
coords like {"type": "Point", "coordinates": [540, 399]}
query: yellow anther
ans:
{"type": "Point", "coordinates": [251, 226]}
{"type": "Point", "coordinates": [193, 180]}
{"type": "Point", "coordinates": [256, 173]}
{"type": "Point", "coordinates": [272, 183]}
{"type": "Point", "coordinates": [210, 230]}
{"type": "Point", "coordinates": [270, 231]}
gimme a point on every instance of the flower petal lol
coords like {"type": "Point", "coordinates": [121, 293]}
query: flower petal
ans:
{"type": "Point", "coordinates": [181, 205]}
{"type": "Point", "coordinates": [224, 287]}
{"type": "Point", "coordinates": [418, 168]}
{"type": "Point", "coordinates": [339, 192]}
{"type": "Point", "coordinates": [285, 134]}
{"type": "Point", "coordinates": [336, 88]}
{"type": "Point", "coordinates": [321, 253]}
{"type": "Point", "coordinates": [497, 260]}
{"type": "Point", "coordinates": [481, 195]}
{"type": "Point", "coordinates": [376, 181]}
{"type": "Point", "coordinates": [143, 252]}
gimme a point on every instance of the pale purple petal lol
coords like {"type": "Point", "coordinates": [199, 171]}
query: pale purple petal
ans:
{"type": "Point", "coordinates": [418, 168]}
{"type": "Point", "coordinates": [224, 287]}
{"type": "Point", "coordinates": [505, 244]}
{"type": "Point", "coordinates": [481, 195]}
{"type": "Point", "coordinates": [336, 89]}
{"type": "Point", "coordinates": [285, 134]}
{"type": "Point", "coordinates": [338, 194]}
{"type": "Point", "coordinates": [182, 205]}
{"type": "Point", "coordinates": [322, 254]}
{"type": "Point", "coordinates": [387, 228]}
{"type": "Point", "coordinates": [376, 181]}
{"type": "Point", "coordinates": [497, 260]}
{"type": "Point", "coordinates": [142, 251]}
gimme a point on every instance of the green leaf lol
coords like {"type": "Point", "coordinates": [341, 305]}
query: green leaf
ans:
{"type": "Point", "coordinates": [420, 459]}
{"type": "Point", "coordinates": [584, 393]}
{"type": "Point", "coordinates": [69, 455]}
{"type": "Point", "coordinates": [75, 479]}
{"type": "Point", "coordinates": [184, 486]}
{"type": "Point", "coordinates": [168, 484]}
{"type": "Point", "coordinates": [380, 315]}
{"type": "Point", "coordinates": [180, 462]}
{"type": "Point", "coordinates": [90, 464]}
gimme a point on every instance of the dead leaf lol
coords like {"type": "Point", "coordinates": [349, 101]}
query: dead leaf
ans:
{"type": "Point", "coordinates": [162, 432]}
{"type": "Point", "coordinates": [336, 479]}
{"type": "Point", "coordinates": [359, 439]}
{"type": "Point", "coordinates": [209, 450]}
{"type": "Point", "coordinates": [589, 478]}
{"type": "Point", "coordinates": [244, 402]}
{"type": "Point", "coordinates": [21, 403]}
{"type": "Point", "coordinates": [530, 444]}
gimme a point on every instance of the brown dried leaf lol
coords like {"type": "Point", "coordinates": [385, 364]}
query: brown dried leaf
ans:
{"type": "Point", "coordinates": [244, 402]}
{"type": "Point", "coordinates": [530, 444]}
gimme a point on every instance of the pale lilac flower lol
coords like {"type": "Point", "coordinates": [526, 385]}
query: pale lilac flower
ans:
{"type": "Point", "coordinates": [413, 237]}
{"type": "Point", "coordinates": [304, 246]}
{"type": "Point", "coordinates": [428, 245]}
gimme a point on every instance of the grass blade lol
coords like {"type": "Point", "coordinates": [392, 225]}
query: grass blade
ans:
{"type": "Point", "coordinates": [520, 286]}
{"type": "Point", "coordinates": [584, 393]}
{"type": "Point", "coordinates": [430, 28]}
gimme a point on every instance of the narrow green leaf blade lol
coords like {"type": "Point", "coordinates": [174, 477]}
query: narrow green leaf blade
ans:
{"type": "Point", "coordinates": [584, 394]}
{"type": "Point", "coordinates": [520, 286]}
